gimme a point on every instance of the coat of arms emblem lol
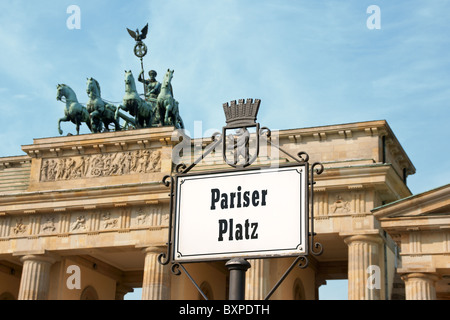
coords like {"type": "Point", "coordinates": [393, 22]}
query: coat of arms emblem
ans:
{"type": "Point", "coordinates": [241, 122]}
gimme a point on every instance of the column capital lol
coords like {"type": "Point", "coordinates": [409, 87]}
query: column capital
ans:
{"type": "Point", "coordinates": [420, 275]}
{"type": "Point", "coordinates": [420, 285]}
{"type": "Point", "coordinates": [49, 258]}
{"type": "Point", "coordinates": [364, 237]}
{"type": "Point", "coordinates": [155, 249]}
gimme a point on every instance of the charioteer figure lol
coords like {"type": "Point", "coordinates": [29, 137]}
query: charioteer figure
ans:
{"type": "Point", "coordinates": [153, 86]}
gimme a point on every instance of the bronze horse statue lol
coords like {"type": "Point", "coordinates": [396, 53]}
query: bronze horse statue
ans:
{"type": "Point", "coordinates": [74, 111]}
{"type": "Point", "coordinates": [133, 104]}
{"type": "Point", "coordinates": [166, 105]}
{"type": "Point", "coordinates": [101, 112]}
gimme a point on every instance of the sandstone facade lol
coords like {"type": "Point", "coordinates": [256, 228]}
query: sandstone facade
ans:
{"type": "Point", "coordinates": [96, 202]}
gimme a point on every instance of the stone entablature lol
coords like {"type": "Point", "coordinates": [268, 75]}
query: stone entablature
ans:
{"type": "Point", "coordinates": [371, 140]}
{"type": "Point", "coordinates": [120, 227]}
{"type": "Point", "coordinates": [43, 202]}
{"type": "Point", "coordinates": [335, 146]}
{"type": "Point", "coordinates": [88, 221]}
{"type": "Point", "coordinates": [105, 184]}
{"type": "Point", "coordinates": [110, 158]}
{"type": "Point", "coordinates": [420, 224]}
{"type": "Point", "coordinates": [121, 209]}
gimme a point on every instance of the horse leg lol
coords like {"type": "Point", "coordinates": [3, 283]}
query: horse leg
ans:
{"type": "Point", "coordinates": [78, 127]}
{"type": "Point", "coordinates": [137, 121]}
{"type": "Point", "coordinates": [148, 115]}
{"type": "Point", "coordinates": [161, 113]}
{"type": "Point", "coordinates": [89, 125]}
{"type": "Point", "coordinates": [95, 121]}
{"type": "Point", "coordinates": [106, 124]}
{"type": "Point", "coordinates": [87, 119]}
{"type": "Point", "coordinates": [179, 122]}
{"type": "Point", "coordinates": [65, 119]}
{"type": "Point", "coordinates": [158, 112]}
{"type": "Point", "coordinates": [116, 114]}
{"type": "Point", "coordinates": [149, 119]}
{"type": "Point", "coordinates": [153, 115]}
{"type": "Point", "coordinates": [117, 125]}
{"type": "Point", "coordinates": [168, 111]}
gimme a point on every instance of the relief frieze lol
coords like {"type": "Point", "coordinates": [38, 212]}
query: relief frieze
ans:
{"type": "Point", "coordinates": [108, 221]}
{"type": "Point", "coordinates": [340, 205]}
{"type": "Point", "coordinates": [49, 224]}
{"type": "Point", "coordinates": [101, 165]}
{"type": "Point", "coordinates": [77, 222]}
{"type": "Point", "coordinates": [19, 227]}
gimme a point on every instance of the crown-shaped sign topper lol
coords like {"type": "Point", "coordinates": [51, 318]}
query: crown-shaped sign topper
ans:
{"type": "Point", "coordinates": [241, 114]}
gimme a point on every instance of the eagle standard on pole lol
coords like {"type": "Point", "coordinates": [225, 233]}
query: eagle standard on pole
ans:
{"type": "Point", "coordinates": [140, 49]}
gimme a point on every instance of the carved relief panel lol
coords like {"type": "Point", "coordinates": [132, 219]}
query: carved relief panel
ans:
{"type": "Point", "coordinates": [340, 204]}
{"type": "Point", "coordinates": [337, 203]}
{"type": "Point", "coordinates": [100, 165]}
{"type": "Point", "coordinates": [84, 221]}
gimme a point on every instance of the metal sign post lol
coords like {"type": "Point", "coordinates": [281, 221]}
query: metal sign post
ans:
{"type": "Point", "coordinates": [237, 268]}
{"type": "Point", "coordinates": [234, 215]}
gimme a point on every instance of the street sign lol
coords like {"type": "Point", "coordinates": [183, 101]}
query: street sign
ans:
{"type": "Point", "coordinates": [251, 213]}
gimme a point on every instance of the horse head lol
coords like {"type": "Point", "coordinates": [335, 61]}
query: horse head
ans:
{"type": "Point", "coordinates": [93, 88]}
{"type": "Point", "coordinates": [59, 91]}
{"type": "Point", "coordinates": [129, 80]}
{"type": "Point", "coordinates": [168, 78]}
{"type": "Point", "coordinates": [63, 90]}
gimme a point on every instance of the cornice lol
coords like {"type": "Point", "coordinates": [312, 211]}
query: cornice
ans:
{"type": "Point", "coordinates": [375, 175]}
{"type": "Point", "coordinates": [6, 162]}
{"type": "Point", "coordinates": [378, 128]}
{"type": "Point", "coordinates": [99, 142]}
{"type": "Point", "coordinates": [83, 198]}
{"type": "Point", "coordinates": [420, 204]}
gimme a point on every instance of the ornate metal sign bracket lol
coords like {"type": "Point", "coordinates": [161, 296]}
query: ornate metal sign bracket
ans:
{"type": "Point", "coordinates": [240, 117]}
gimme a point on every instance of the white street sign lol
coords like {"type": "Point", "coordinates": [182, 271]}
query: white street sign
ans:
{"type": "Point", "coordinates": [248, 214]}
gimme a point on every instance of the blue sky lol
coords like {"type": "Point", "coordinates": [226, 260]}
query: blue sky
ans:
{"type": "Point", "coordinates": [311, 63]}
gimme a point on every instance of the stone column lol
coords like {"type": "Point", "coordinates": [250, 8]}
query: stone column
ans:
{"type": "Point", "coordinates": [420, 286]}
{"type": "Point", "coordinates": [365, 251]}
{"type": "Point", "coordinates": [256, 279]}
{"type": "Point", "coordinates": [35, 281]}
{"type": "Point", "coordinates": [156, 282]}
